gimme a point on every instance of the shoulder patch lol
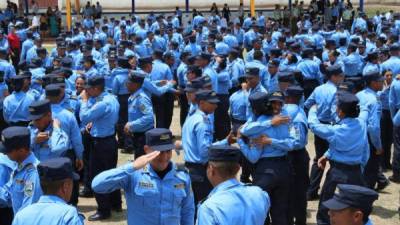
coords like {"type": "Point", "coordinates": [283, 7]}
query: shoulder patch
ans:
{"type": "Point", "coordinates": [28, 188]}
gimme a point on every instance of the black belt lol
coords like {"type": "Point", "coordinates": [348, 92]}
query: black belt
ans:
{"type": "Point", "coordinates": [237, 121]}
{"type": "Point", "coordinates": [102, 138]}
{"type": "Point", "coordinates": [344, 166]}
{"type": "Point", "coordinates": [324, 122]}
{"type": "Point", "coordinates": [274, 159]}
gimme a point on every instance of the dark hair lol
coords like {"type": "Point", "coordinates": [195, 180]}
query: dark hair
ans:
{"type": "Point", "coordinates": [350, 111]}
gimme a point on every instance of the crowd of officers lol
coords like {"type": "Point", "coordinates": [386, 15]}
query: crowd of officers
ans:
{"type": "Point", "coordinates": [248, 94]}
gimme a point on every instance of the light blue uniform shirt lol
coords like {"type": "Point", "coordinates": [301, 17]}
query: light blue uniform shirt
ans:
{"type": "Point", "coordinates": [102, 112]}
{"type": "Point", "coordinates": [50, 210]}
{"type": "Point", "coordinates": [224, 82]}
{"type": "Point", "coordinates": [26, 45]}
{"type": "Point", "coordinates": [369, 99]}
{"type": "Point", "coordinates": [236, 69]}
{"type": "Point", "coordinates": [160, 71]}
{"type": "Point", "coordinates": [282, 142]}
{"type": "Point", "coordinates": [3, 90]}
{"type": "Point", "coordinates": [181, 74]}
{"type": "Point", "coordinates": [324, 96]}
{"type": "Point", "coordinates": [384, 98]}
{"type": "Point", "coordinates": [70, 126]}
{"type": "Point", "coordinates": [208, 70]}
{"type": "Point", "coordinates": [23, 188]}
{"type": "Point", "coordinates": [140, 112]}
{"type": "Point", "coordinates": [352, 64]}
{"type": "Point", "coordinates": [350, 151]}
{"type": "Point", "coordinates": [238, 105]}
{"type": "Point", "coordinates": [8, 68]}
{"type": "Point", "coordinates": [56, 146]}
{"type": "Point", "coordinates": [393, 64]}
{"type": "Point", "coordinates": [309, 69]}
{"type": "Point", "coordinates": [119, 81]}
{"type": "Point", "coordinates": [193, 48]}
{"type": "Point", "coordinates": [151, 200]}
{"type": "Point", "coordinates": [16, 107]}
{"type": "Point", "coordinates": [299, 125]}
{"type": "Point", "coordinates": [249, 111]}
{"type": "Point", "coordinates": [394, 97]}
{"type": "Point", "coordinates": [197, 136]}
{"type": "Point", "coordinates": [234, 203]}
{"type": "Point", "coordinates": [6, 168]}
{"type": "Point", "coordinates": [231, 41]}
{"type": "Point", "coordinates": [370, 67]}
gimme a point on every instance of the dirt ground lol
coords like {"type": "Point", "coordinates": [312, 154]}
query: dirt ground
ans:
{"type": "Point", "coordinates": [385, 208]}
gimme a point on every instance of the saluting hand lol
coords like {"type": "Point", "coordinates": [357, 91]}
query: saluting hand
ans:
{"type": "Point", "coordinates": [143, 160]}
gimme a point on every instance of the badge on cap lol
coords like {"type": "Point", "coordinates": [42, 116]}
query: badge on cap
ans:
{"type": "Point", "coordinates": [164, 137]}
{"type": "Point", "coordinates": [213, 94]}
{"type": "Point", "coordinates": [277, 94]}
{"type": "Point", "coordinates": [3, 139]}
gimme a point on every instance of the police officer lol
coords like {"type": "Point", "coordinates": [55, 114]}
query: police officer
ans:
{"type": "Point", "coordinates": [6, 168]}
{"type": "Point", "coordinates": [99, 110]}
{"type": "Point", "coordinates": [15, 106]}
{"type": "Point", "coordinates": [310, 70]}
{"type": "Point", "coordinates": [197, 136]}
{"type": "Point", "coordinates": [270, 153]}
{"type": "Point", "coordinates": [254, 85]}
{"type": "Point", "coordinates": [298, 157]}
{"type": "Point", "coordinates": [346, 155]}
{"type": "Point", "coordinates": [152, 87]}
{"type": "Point", "coordinates": [119, 89]}
{"type": "Point", "coordinates": [238, 105]}
{"type": "Point", "coordinates": [23, 188]}
{"type": "Point", "coordinates": [3, 94]}
{"type": "Point", "coordinates": [70, 125]}
{"type": "Point", "coordinates": [230, 202]}
{"type": "Point", "coordinates": [56, 178]}
{"type": "Point", "coordinates": [163, 105]}
{"type": "Point", "coordinates": [49, 140]}
{"type": "Point", "coordinates": [140, 112]}
{"type": "Point", "coordinates": [351, 205]}
{"type": "Point", "coordinates": [157, 191]}
{"type": "Point", "coordinates": [369, 99]}
{"type": "Point", "coordinates": [324, 97]}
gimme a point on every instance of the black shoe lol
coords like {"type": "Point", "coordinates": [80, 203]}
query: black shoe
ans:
{"type": "Point", "coordinates": [312, 197]}
{"type": "Point", "coordinates": [395, 179]}
{"type": "Point", "coordinates": [382, 185]}
{"type": "Point", "coordinates": [98, 216]}
{"type": "Point", "coordinates": [86, 193]}
{"type": "Point", "coordinates": [117, 209]}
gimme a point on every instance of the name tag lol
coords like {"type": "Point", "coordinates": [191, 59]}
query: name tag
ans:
{"type": "Point", "coordinates": [146, 185]}
{"type": "Point", "coordinates": [180, 186]}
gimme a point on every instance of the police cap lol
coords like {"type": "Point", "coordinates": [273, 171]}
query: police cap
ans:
{"type": "Point", "coordinates": [56, 169]}
{"type": "Point", "coordinates": [14, 138]}
{"type": "Point", "coordinates": [160, 139]}
{"type": "Point", "coordinates": [223, 153]}
{"type": "Point", "coordinates": [38, 109]}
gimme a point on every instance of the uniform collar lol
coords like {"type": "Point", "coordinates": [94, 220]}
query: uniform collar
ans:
{"type": "Point", "coordinates": [51, 199]}
{"type": "Point", "coordinates": [31, 159]}
{"type": "Point", "coordinates": [228, 184]}
{"type": "Point", "coordinates": [149, 170]}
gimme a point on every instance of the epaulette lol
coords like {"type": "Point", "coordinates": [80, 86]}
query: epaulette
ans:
{"type": "Point", "coordinates": [181, 167]}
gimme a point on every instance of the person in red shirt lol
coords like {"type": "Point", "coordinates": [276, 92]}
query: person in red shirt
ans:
{"type": "Point", "coordinates": [15, 47]}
